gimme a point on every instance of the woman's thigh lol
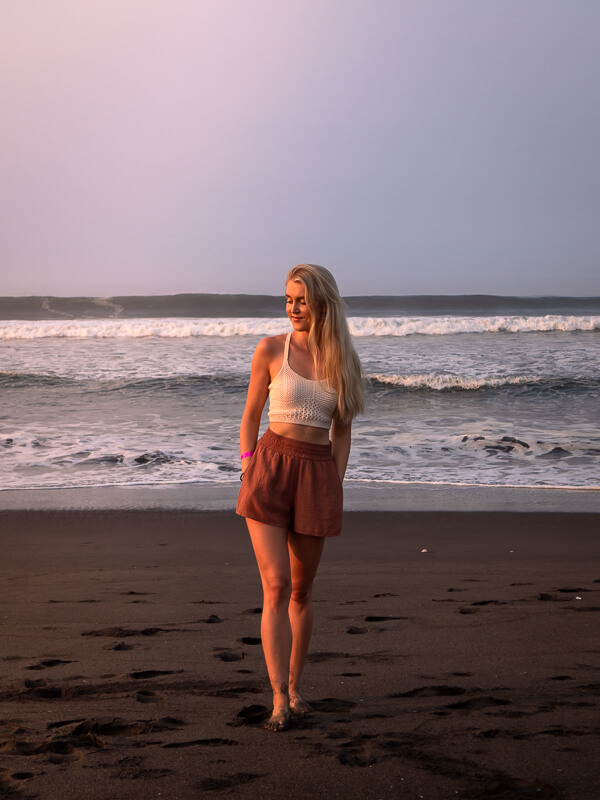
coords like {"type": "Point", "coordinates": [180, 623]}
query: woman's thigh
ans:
{"type": "Point", "coordinates": [270, 545]}
{"type": "Point", "coordinates": [304, 558]}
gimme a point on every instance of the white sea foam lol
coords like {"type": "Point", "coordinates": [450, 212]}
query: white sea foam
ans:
{"type": "Point", "coordinates": [441, 382]}
{"type": "Point", "coordinates": [132, 401]}
{"type": "Point", "coordinates": [177, 328]}
{"type": "Point", "coordinates": [432, 326]}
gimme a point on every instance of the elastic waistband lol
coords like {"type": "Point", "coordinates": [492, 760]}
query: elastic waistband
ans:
{"type": "Point", "coordinates": [294, 447]}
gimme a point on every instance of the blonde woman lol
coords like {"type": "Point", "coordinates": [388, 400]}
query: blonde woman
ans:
{"type": "Point", "coordinates": [291, 493]}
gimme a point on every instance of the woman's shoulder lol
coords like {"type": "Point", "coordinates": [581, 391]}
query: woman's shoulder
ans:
{"type": "Point", "coordinates": [270, 348]}
{"type": "Point", "coordinates": [271, 345]}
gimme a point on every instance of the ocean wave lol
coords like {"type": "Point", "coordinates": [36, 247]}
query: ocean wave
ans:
{"type": "Point", "coordinates": [440, 326]}
{"type": "Point", "coordinates": [227, 383]}
{"type": "Point", "coordinates": [178, 328]}
{"type": "Point", "coordinates": [168, 383]}
{"type": "Point", "coordinates": [140, 328]}
{"type": "Point", "coordinates": [449, 382]}
{"type": "Point", "coordinates": [441, 382]}
{"type": "Point", "coordinates": [20, 379]}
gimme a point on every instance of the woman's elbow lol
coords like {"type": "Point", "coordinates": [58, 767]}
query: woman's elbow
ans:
{"type": "Point", "coordinates": [252, 416]}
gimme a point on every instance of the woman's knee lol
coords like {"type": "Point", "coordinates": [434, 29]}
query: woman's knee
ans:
{"type": "Point", "coordinates": [301, 593]}
{"type": "Point", "coordinates": [277, 589]}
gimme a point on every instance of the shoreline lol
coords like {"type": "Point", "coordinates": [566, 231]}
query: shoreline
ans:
{"type": "Point", "coordinates": [358, 496]}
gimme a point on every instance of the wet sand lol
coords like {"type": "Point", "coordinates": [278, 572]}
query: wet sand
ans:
{"type": "Point", "coordinates": [454, 655]}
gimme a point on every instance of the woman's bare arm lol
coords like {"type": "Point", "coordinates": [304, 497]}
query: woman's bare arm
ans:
{"type": "Point", "coordinates": [341, 436]}
{"type": "Point", "coordinates": [258, 390]}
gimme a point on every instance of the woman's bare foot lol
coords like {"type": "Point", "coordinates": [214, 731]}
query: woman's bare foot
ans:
{"type": "Point", "coordinates": [278, 721]}
{"type": "Point", "coordinates": [298, 705]}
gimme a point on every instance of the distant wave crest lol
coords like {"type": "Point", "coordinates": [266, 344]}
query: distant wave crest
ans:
{"type": "Point", "coordinates": [439, 326]}
{"type": "Point", "coordinates": [451, 382]}
{"type": "Point", "coordinates": [177, 328]}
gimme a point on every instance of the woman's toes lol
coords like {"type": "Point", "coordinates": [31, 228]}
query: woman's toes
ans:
{"type": "Point", "coordinates": [278, 722]}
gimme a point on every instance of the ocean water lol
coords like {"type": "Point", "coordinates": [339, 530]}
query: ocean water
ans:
{"type": "Point", "coordinates": [132, 391]}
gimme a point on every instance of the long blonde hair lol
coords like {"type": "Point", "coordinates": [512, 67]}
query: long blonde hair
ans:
{"type": "Point", "coordinates": [329, 339]}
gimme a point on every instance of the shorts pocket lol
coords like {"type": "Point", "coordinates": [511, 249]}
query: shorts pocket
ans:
{"type": "Point", "coordinates": [337, 474]}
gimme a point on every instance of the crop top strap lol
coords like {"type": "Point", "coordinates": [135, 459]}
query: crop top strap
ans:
{"type": "Point", "coordinates": [286, 349]}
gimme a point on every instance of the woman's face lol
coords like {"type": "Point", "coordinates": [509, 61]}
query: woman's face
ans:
{"type": "Point", "coordinates": [297, 308]}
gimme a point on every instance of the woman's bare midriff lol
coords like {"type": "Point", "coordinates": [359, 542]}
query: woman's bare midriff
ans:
{"type": "Point", "coordinates": [303, 433]}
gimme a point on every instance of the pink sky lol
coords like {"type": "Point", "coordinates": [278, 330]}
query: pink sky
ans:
{"type": "Point", "coordinates": [207, 145]}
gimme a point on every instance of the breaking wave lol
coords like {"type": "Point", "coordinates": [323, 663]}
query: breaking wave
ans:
{"type": "Point", "coordinates": [177, 328]}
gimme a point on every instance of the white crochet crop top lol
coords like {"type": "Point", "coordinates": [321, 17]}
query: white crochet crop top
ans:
{"type": "Point", "coordinates": [293, 398]}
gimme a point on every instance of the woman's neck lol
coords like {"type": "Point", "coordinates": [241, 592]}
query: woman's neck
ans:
{"type": "Point", "coordinates": [300, 339]}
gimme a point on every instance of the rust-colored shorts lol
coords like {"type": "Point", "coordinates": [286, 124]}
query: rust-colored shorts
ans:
{"type": "Point", "coordinates": [293, 485]}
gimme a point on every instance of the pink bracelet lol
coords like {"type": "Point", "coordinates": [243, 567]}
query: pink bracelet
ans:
{"type": "Point", "coordinates": [246, 455]}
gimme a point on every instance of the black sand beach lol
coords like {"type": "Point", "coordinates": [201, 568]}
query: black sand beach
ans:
{"type": "Point", "coordinates": [132, 667]}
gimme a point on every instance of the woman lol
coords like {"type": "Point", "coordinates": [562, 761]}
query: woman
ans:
{"type": "Point", "coordinates": [291, 492]}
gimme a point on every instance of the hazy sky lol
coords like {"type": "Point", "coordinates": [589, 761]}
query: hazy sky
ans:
{"type": "Point", "coordinates": [412, 146]}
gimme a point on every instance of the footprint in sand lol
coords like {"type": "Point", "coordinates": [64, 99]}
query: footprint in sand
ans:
{"type": "Point", "coordinates": [202, 743]}
{"type": "Point", "coordinates": [153, 673]}
{"type": "Point", "coordinates": [30, 683]}
{"type": "Point", "coordinates": [230, 781]}
{"type": "Point", "coordinates": [62, 752]}
{"type": "Point", "coordinates": [477, 703]}
{"type": "Point", "coordinates": [49, 692]}
{"type": "Point", "coordinates": [206, 602]}
{"type": "Point", "coordinates": [251, 715]}
{"type": "Point", "coordinates": [572, 591]}
{"type": "Point", "coordinates": [355, 753]}
{"type": "Point", "coordinates": [49, 662]}
{"type": "Point", "coordinates": [62, 749]}
{"type": "Point", "coordinates": [488, 603]}
{"type": "Point", "coordinates": [121, 633]}
{"type": "Point", "coordinates": [355, 629]}
{"type": "Point", "coordinates": [117, 726]}
{"type": "Point", "coordinates": [230, 655]}
{"type": "Point", "coordinates": [148, 696]}
{"type": "Point", "coordinates": [431, 691]}
{"type": "Point", "coordinates": [18, 777]}
{"type": "Point", "coordinates": [325, 656]}
{"type": "Point", "coordinates": [332, 705]}
{"type": "Point", "coordinates": [130, 769]}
